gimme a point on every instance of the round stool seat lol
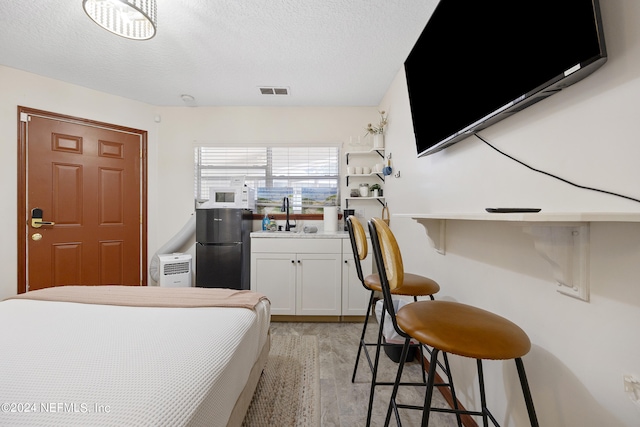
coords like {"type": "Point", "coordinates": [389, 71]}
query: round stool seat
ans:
{"type": "Point", "coordinates": [413, 285]}
{"type": "Point", "coordinates": [463, 330]}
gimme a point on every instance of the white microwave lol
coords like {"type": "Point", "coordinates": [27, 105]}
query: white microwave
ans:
{"type": "Point", "coordinates": [232, 197]}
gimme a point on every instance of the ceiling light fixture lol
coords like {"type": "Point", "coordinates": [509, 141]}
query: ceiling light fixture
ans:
{"type": "Point", "coordinates": [132, 19]}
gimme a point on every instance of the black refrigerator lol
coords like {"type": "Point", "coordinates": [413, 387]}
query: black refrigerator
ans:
{"type": "Point", "coordinates": [223, 248]}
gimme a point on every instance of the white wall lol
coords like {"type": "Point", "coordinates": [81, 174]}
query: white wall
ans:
{"type": "Point", "coordinates": [29, 90]}
{"type": "Point", "coordinates": [172, 135]}
{"type": "Point", "coordinates": [170, 144]}
{"type": "Point", "coordinates": [586, 134]}
{"type": "Point", "coordinates": [183, 128]}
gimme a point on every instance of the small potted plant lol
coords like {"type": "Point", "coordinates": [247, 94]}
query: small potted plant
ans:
{"type": "Point", "coordinates": [376, 190]}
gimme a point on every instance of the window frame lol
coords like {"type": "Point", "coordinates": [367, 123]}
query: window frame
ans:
{"type": "Point", "coordinates": [269, 177]}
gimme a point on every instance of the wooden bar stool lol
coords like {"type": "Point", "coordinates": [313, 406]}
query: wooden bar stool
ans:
{"type": "Point", "coordinates": [413, 285]}
{"type": "Point", "coordinates": [448, 327]}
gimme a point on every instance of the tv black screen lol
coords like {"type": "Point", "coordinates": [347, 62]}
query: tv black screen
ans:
{"type": "Point", "coordinates": [477, 62]}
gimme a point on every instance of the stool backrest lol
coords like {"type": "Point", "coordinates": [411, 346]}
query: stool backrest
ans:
{"type": "Point", "coordinates": [389, 251]}
{"type": "Point", "coordinates": [389, 261]}
{"type": "Point", "coordinates": [358, 244]}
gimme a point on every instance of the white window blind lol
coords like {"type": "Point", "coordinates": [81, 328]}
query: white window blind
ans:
{"type": "Point", "coordinates": [298, 168]}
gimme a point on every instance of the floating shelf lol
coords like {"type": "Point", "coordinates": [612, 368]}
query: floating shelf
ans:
{"type": "Point", "coordinates": [562, 239]}
{"type": "Point", "coordinates": [380, 153]}
{"type": "Point", "coordinates": [379, 199]}
{"type": "Point", "coordinates": [361, 175]}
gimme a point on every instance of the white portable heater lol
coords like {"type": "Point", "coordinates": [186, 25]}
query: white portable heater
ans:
{"type": "Point", "coordinates": [175, 270]}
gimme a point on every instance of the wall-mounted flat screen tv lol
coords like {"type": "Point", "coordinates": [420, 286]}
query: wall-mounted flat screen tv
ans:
{"type": "Point", "coordinates": [477, 62]}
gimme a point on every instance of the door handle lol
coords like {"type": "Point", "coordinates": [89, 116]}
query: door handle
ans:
{"type": "Point", "coordinates": [36, 218]}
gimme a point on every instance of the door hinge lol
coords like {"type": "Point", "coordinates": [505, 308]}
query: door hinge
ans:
{"type": "Point", "coordinates": [24, 117]}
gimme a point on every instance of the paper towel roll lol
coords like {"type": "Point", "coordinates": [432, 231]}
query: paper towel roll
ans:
{"type": "Point", "coordinates": [330, 218]}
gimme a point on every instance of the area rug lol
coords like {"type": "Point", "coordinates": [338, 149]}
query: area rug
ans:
{"type": "Point", "coordinates": [288, 392]}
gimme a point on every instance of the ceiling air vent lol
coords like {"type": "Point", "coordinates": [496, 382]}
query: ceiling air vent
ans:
{"type": "Point", "coordinates": [274, 90]}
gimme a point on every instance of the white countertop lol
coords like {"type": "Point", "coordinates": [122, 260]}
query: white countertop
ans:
{"type": "Point", "coordinates": [532, 217]}
{"type": "Point", "coordinates": [299, 235]}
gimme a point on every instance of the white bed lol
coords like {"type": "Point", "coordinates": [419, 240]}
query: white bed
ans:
{"type": "Point", "coordinates": [103, 364]}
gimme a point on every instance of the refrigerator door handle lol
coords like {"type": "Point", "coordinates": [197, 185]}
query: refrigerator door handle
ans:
{"type": "Point", "coordinates": [219, 243]}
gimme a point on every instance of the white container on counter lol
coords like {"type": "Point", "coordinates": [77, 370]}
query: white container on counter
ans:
{"type": "Point", "coordinates": [330, 218]}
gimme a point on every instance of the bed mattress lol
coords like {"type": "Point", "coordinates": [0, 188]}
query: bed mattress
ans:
{"type": "Point", "coordinates": [77, 364]}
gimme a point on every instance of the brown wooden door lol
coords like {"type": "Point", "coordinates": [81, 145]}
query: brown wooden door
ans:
{"type": "Point", "coordinates": [87, 179]}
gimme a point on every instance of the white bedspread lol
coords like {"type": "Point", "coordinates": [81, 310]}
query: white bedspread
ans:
{"type": "Point", "coordinates": [71, 364]}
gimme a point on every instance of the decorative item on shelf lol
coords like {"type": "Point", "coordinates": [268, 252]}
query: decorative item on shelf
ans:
{"type": "Point", "coordinates": [378, 141]}
{"type": "Point", "coordinates": [378, 131]}
{"type": "Point", "coordinates": [355, 192]}
{"type": "Point", "coordinates": [364, 190]}
{"type": "Point", "coordinates": [387, 169]}
{"type": "Point", "coordinates": [375, 190]}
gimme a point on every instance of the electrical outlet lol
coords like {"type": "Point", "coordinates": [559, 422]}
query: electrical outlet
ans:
{"type": "Point", "coordinates": [360, 213]}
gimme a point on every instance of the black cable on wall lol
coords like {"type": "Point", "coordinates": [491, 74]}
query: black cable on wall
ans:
{"type": "Point", "coordinates": [555, 176]}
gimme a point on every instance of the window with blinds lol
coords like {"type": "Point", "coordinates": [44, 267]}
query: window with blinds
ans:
{"type": "Point", "coordinates": [308, 175]}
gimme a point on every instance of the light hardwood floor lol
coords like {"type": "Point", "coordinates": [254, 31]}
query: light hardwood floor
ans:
{"type": "Point", "coordinates": [344, 404]}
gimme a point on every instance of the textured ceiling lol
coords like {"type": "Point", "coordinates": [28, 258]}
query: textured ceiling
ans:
{"type": "Point", "coordinates": [327, 52]}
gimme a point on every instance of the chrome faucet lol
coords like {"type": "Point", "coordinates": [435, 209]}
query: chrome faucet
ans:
{"type": "Point", "coordinates": [285, 208]}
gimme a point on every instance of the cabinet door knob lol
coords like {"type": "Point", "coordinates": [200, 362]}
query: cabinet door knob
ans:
{"type": "Point", "coordinates": [293, 262]}
{"type": "Point", "coordinates": [299, 261]}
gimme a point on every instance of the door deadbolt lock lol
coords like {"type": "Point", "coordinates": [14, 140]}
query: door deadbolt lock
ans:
{"type": "Point", "coordinates": [36, 218]}
{"type": "Point", "coordinates": [36, 236]}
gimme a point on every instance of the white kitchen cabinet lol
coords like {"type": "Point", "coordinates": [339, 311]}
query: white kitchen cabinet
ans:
{"type": "Point", "coordinates": [299, 276]}
{"type": "Point", "coordinates": [319, 281]}
{"type": "Point", "coordinates": [274, 275]}
{"type": "Point", "coordinates": [355, 297]}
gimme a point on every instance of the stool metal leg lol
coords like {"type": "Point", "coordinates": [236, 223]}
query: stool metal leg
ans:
{"type": "Point", "coordinates": [483, 398]}
{"type": "Point", "coordinates": [428, 396]}
{"type": "Point", "coordinates": [392, 402]}
{"type": "Point", "coordinates": [424, 372]}
{"type": "Point", "coordinates": [533, 419]}
{"type": "Point", "coordinates": [456, 407]}
{"type": "Point", "coordinates": [375, 369]}
{"type": "Point", "coordinates": [362, 341]}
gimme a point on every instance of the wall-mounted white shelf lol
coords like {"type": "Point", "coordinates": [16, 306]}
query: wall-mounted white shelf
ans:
{"type": "Point", "coordinates": [363, 175]}
{"type": "Point", "coordinates": [380, 175]}
{"type": "Point", "coordinates": [378, 151]}
{"type": "Point", "coordinates": [379, 199]}
{"type": "Point", "coordinates": [562, 239]}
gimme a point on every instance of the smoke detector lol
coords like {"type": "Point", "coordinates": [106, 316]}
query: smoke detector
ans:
{"type": "Point", "coordinates": [188, 100]}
